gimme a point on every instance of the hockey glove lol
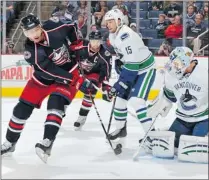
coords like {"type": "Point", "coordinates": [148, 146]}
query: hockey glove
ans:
{"type": "Point", "coordinates": [125, 82]}
{"type": "Point", "coordinates": [109, 92]}
{"type": "Point", "coordinates": [84, 85]}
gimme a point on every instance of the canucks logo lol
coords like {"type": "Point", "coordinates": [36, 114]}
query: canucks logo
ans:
{"type": "Point", "coordinates": [124, 36]}
{"type": "Point", "coordinates": [188, 101]}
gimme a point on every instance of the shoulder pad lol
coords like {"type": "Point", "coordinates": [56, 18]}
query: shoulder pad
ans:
{"type": "Point", "coordinates": [48, 25]}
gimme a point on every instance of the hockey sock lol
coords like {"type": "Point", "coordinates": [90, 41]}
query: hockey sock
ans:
{"type": "Point", "coordinates": [86, 105]}
{"type": "Point", "coordinates": [142, 117]}
{"type": "Point", "coordinates": [120, 112]}
{"type": "Point", "coordinates": [141, 112]}
{"type": "Point", "coordinates": [21, 113]}
{"type": "Point", "coordinates": [52, 124]}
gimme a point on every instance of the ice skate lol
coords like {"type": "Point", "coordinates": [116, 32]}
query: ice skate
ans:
{"type": "Point", "coordinates": [7, 148]}
{"type": "Point", "coordinates": [43, 149]}
{"type": "Point", "coordinates": [79, 123]}
{"type": "Point", "coordinates": [117, 137]}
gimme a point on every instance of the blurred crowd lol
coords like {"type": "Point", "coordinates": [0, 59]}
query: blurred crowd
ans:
{"type": "Point", "coordinates": [13, 10]}
{"type": "Point", "coordinates": [160, 24]}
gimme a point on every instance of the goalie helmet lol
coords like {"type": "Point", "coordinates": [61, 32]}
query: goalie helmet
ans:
{"type": "Point", "coordinates": [179, 59]}
{"type": "Point", "coordinates": [115, 14]}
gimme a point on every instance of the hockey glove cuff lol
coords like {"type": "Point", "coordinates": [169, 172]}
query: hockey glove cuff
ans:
{"type": "Point", "coordinates": [84, 85]}
{"type": "Point", "coordinates": [109, 92]}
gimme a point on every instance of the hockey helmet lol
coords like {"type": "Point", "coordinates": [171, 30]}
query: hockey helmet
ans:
{"type": "Point", "coordinates": [29, 22]}
{"type": "Point", "coordinates": [115, 14]}
{"type": "Point", "coordinates": [179, 59]}
{"type": "Point", "coordinates": [95, 35]}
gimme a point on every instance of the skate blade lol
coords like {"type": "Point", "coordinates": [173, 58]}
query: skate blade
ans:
{"type": "Point", "coordinates": [40, 153]}
{"type": "Point", "coordinates": [9, 154]}
{"type": "Point", "coordinates": [77, 128]}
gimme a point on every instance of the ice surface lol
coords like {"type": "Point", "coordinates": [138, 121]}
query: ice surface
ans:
{"type": "Point", "coordinates": [85, 154]}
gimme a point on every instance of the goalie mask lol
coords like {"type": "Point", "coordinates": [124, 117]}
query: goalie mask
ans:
{"type": "Point", "coordinates": [179, 60]}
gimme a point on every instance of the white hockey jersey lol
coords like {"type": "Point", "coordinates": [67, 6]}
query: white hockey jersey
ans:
{"type": "Point", "coordinates": [191, 94]}
{"type": "Point", "coordinates": [131, 49]}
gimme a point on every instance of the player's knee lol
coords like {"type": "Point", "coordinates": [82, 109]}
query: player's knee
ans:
{"type": "Point", "coordinates": [201, 128]}
{"type": "Point", "coordinates": [120, 103]}
{"type": "Point", "coordinates": [57, 102]}
{"type": "Point", "coordinates": [22, 110]}
{"type": "Point", "coordinates": [136, 102]}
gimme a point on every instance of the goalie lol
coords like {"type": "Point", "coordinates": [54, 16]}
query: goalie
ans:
{"type": "Point", "coordinates": [186, 84]}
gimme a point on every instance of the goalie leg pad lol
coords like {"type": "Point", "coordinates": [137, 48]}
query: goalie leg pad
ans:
{"type": "Point", "coordinates": [162, 143]}
{"type": "Point", "coordinates": [193, 149]}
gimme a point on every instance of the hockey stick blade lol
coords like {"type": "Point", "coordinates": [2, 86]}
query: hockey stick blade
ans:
{"type": "Point", "coordinates": [137, 153]}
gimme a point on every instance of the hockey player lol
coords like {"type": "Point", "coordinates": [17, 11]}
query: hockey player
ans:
{"type": "Point", "coordinates": [47, 49]}
{"type": "Point", "coordinates": [186, 84]}
{"type": "Point", "coordinates": [96, 64]}
{"type": "Point", "coordinates": [136, 77]}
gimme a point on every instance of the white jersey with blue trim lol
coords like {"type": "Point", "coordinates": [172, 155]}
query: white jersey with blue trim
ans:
{"type": "Point", "coordinates": [191, 94]}
{"type": "Point", "coordinates": [131, 49]}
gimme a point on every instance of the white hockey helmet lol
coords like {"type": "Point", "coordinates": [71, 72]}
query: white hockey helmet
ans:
{"type": "Point", "coordinates": [115, 14]}
{"type": "Point", "coordinates": [179, 59]}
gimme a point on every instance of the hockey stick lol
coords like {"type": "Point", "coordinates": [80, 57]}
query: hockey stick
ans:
{"type": "Point", "coordinates": [116, 150]}
{"type": "Point", "coordinates": [112, 110]}
{"type": "Point", "coordinates": [136, 154]}
{"type": "Point", "coordinates": [111, 115]}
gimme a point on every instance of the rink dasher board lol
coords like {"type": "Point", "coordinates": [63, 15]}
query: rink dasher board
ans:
{"type": "Point", "coordinates": [15, 72]}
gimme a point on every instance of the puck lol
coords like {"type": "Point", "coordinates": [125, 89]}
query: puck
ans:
{"type": "Point", "coordinates": [118, 151]}
{"type": "Point", "coordinates": [119, 146]}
